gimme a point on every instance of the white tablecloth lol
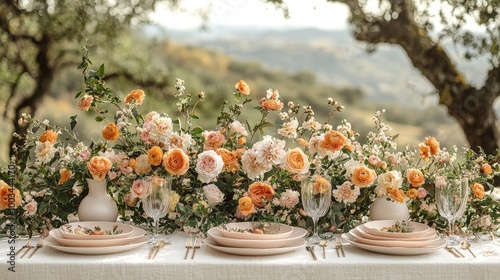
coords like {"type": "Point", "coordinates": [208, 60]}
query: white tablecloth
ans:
{"type": "Point", "coordinates": [208, 263]}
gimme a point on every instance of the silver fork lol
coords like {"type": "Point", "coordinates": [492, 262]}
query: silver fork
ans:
{"type": "Point", "coordinates": [339, 247]}
{"type": "Point", "coordinates": [26, 245]}
{"type": "Point", "coordinates": [196, 245]}
{"type": "Point", "coordinates": [39, 245]}
{"type": "Point", "coordinates": [189, 245]}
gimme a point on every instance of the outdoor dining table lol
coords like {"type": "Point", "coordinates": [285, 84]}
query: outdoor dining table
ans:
{"type": "Point", "coordinates": [209, 263]}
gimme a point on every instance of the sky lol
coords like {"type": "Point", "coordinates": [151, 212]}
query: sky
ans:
{"type": "Point", "coordinates": [255, 13]}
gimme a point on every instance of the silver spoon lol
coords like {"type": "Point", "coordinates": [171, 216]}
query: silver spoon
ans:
{"type": "Point", "coordinates": [323, 244]}
{"type": "Point", "coordinates": [311, 249]}
{"type": "Point", "coordinates": [466, 246]}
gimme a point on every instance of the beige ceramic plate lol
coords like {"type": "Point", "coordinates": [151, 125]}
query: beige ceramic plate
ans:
{"type": "Point", "coordinates": [401, 251]}
{"type": "Point", "coordinates": [402, 242]}
{"type": "Point", "coordinates": [50, 242]}
{"type": "Point", "coordinates": [374, 228]}
{"type": "Point", "coordinates": [426, 236]}
{"type": "Point", "coordinates": [297, 233]}
{"type": "Point", "coordinates": [136, 234]}
{"type": "Point", "coordinates": [283, 232]}
{"type": "Point", "coordinates": [74, 230]}
{"type": "Point", "coordinates": [255, 251]}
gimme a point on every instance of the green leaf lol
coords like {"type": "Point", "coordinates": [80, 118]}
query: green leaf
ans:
{"type": "Point", "coordinates": [99, 119]}
{"type": "Point", "coordinates": [35, 128]}
{"type": "Point", "coordinates": [73, 121]}
{"type": "Point", "coordinates": [197, 131]}
{"type": "Point", "coordinates": [63, 198]}
{"type": "Point", "coordinates": [100, 72]}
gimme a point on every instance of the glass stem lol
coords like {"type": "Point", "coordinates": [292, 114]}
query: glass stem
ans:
{"type": "Point", "coordinates": [315, 222]}
{"type": "Point", "coordinates": [450, 227]}
{"type": "Point", "coordinates": [156, 228]}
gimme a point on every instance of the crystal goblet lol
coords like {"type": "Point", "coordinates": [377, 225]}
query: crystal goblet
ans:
{"type": "Point", "coordinates": [316, 193]}
{"type": "Point", "coordinates": [156, 200]}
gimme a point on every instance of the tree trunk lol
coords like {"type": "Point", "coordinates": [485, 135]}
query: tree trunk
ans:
{"type": "Point", "coordinates": [30, 103]}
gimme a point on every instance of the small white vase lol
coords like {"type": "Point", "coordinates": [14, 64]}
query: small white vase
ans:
{"type": "Point", "coordinates": [98, 205]}
{"type": "Point", "coordinates": [383, 208]}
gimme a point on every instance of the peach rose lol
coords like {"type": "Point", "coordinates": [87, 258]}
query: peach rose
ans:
{"type": "Point", "coordinates": [130, 199]}
{"type": "Point", "coordinates": [296, 161]}
{"type": "Point", "coordinates": [111, 132]}
{"type": "Point", "coordinates": [258, 191]}
{"type": "Point", "coordinates": [176, 162]}
{"type": "Point", "coordinates": [242, 87]}
{"type": "Point", "coordinates": [425, 151]}
{"type": "Point", "coordinates": [477, 190]}
{"type": "Point", "coordinates": [141, 164]}
{"type": "Point", "coordinates": [272, 105]}
{"type": "Point", "coordinates": [136, 95]}
{"type": "Point", "coordinates": [85, 103]}
{"type": "Point", "coordinates": [363, 176]}
{"type": "Point", "coordinates": [155, 155]}
{"type": "Point", "coordinates": [415, 177]}
{"type": "Point", "coordinates": [99, 167]}
{"type": "Point", "coordinates": [321, 185]}
{"type": "Point", "coordinates": [230, 160]}
{"type": "Point", "coordinates": [242, 140]}
{"type": "Point", "coordinates": [65, 175]}
{"type": "Point", "coordinates": [49, 135]}
{"type": "Point", "coordinates": [245, 206]}
{"type": "Point", "coordinates": [9, 197]}
{"type": "Point", "coordinates": [213, 140]}
{"type": "Point", "coordinates": [412, 193]}
{"type": "Point", "coordinates": [333, 141]}
{"type": "Point", "coordinates": [433, 145]}
{"type": "Point", "coordinates": [486, 169]}
{"type": "Point", "coordinates": [396, 194]}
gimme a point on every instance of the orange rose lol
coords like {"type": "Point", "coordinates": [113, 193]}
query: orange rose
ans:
{"type": "Point", "coordinates": [258, 191]}
{"type": "Point", "coordinates": [433, 145]}
{"type": "Point", "coordinates": [136, 95]}
{"type": "Point", "coordinates": [321, 186]}
{"type": "Point", "coordinates": [333, 141]}
{"type": "Point", "coordinates": [425, 151]}
{"type": "Point", "coordinates": [48, 135]}
{"type": "Point", "coordinates": [363, 176]}
{"type": "Point", "coordinates": [397, 194]}
{"type": "Point", "coordinates": [242, 140]}
{"type": "Point", "coordinates": [99, 167]}
{"type": "Point", "coordinates": [213, 140]}
{"type": "Point", "coordinates": [176, 162]}
{"type": "Point", "coordinates": [245, 205]}
{"type": "Point", "coordinates": [65, 175]}
{"type": "Point", "coordinates": [111, 132]}
{"type": "Point", "coordinates": [477, 190]}
{"type": "Point", "coordinates": [9, 197]}
{"type": "Point", "coordinates": [272, 105]}
{"type": "Point", "coordinates": [412, 193]}
{"type": "Point", "coordinates": [155, 155]}
{"type": "Point", "coordinates": [230, 160]}
{"type": "Point", "coordinates": [486, 169]}
{"type": "Point", "coordinates": [296, 161]}
{"type": "Point", "coordinates": [415, 177]}
{"type": "Point", "coordinates": [242, 87]}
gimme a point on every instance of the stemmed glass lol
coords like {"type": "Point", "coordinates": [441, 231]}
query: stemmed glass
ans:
{"type": "Point", "coordinates": [451, 201]}
{"type": "Point", "coordinates": [316, 193]}
{"type": "Point", "coordinates": [156, 200]}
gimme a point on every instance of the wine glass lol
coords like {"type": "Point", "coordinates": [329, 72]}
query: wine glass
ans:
{"type": "Point", "coordinates": [316, 193]}
{"type": "Point", "coordinates": [156, 200]}
{"type": "Point", "coordinates": [451, 201]}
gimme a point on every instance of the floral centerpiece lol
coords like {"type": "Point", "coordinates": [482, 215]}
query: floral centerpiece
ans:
{"type": "Point", "coordinates": [236, 172]}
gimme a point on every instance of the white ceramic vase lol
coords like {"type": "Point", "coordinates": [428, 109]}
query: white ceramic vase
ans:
{"type": "Point", "coordinates": [98, 205]}
{"type": "Point", "coordinates": [383, 208]}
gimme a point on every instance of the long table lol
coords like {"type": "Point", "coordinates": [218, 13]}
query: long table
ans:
{"type": "Point", "coordinates": [209, 263]}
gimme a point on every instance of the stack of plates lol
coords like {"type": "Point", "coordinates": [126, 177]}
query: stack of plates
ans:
{"type": "Point", "coordinates": [233, 241]}
{"type": "Point", "coordinates": [96, 238]}
{"type": "Point", "coordinates": [371, 237]}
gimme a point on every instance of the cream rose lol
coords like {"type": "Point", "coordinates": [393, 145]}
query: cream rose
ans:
{"type": "Point", "coordinates": [209, 166]}
{"type": "Point", "coordinates": [213, 194]}
{"type": "Point", "coordinates": [296, 161]}
{"type": "Point", "coordinates": [390, 179]}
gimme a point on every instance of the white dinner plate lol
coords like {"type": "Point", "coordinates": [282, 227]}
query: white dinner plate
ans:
{"type": "Point", "coordinates": [73, 230]}
{"type": "Point", "coordinates": [50, 242]}
{"type": "Point", "coordinates": [374, 228]}
{"type": "Point", "coordinates": [135, 235]}
{"type": "Point", "coordinates": [284, 232]}
{"type": "Point", "coordinates": [297, 233]}
{"type": "Point", "coordinates": [400, 251]}
{"type": "Point", "coordinates": [402, 242]}
{"type": "Point", "coordinates": [428, 234]}
{"type": "Point", "coordinates": [255, 251]}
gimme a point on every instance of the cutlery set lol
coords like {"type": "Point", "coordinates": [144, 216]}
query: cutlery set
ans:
{"type": "Point", "coordinates": [323, 243]}
{"type": "Point", "coordinates": [27, 247]}
{"type": "Point", "coordinates": [192, 243]}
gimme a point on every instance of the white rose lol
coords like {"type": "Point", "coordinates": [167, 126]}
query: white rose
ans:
{"type": "Point", "coordinates": [495, 194]}
{"type": "Point", "coordinates": [390, 179]}
{"type": "Point", "coordinates": [213, 194]}
{"type": "Point", "coordinates": [209, 166]}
